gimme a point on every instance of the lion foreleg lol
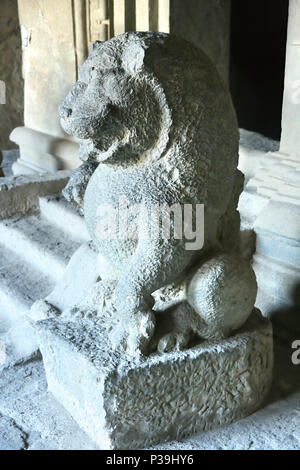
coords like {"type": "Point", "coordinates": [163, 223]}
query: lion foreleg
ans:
{"type": "Point", "coordinates": [75, 189]}
{"type": "Point", "coordinates": [155, 264]}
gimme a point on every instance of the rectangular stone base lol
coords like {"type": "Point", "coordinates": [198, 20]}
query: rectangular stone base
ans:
{"type": "Point", "coordinates": [123, 404]}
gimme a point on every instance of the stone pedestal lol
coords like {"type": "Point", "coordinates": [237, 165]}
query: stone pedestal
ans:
{"type": "Point", "coordinates": [125, 404]}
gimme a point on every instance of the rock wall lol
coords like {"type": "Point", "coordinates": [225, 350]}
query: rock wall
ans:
{"type": "Point", "coordinates": [205, 23]}
{"type": "Point", "coordinates": [11, 113]}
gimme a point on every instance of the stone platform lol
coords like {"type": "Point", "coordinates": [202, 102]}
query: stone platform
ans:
{"type": "Point", "coordinates": [123, 404]}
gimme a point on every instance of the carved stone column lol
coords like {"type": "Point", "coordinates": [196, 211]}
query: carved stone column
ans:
{"type": "Point", "coordinates": [290, 137]}
{"type": "Point", "coordinates": [271, 200]}
{"type": "Point", "coordinates": [54, 44]}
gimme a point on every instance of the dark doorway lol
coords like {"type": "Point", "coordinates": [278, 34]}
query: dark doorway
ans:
{"type": "Point", "coordinates": [258, 41]}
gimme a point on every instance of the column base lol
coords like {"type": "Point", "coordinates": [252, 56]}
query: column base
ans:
{"type": "Point", "coordinates": [41, 152]}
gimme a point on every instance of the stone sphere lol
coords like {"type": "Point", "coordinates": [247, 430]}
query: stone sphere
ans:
{"type": "Point", "coordinates": [223, 292]}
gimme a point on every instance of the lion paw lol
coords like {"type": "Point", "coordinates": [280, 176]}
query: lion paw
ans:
{"type": "Point", "coordinates": [42, 310]}
{"type": "Point", "coordinates": [174, 341]}
{"type": "Point", "coordinates": [134, 336]}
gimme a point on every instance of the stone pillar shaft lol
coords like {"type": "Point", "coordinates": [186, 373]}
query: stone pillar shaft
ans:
{"type": "Point", "coordinates": [54, 45]}
{"type": "Point", "coordinates": [290, 137]}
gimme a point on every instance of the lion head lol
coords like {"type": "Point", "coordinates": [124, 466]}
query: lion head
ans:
{"type": "Point", "coordinates": [144, 97]}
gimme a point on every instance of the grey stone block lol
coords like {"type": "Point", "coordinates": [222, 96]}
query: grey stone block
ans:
{"type": "Point", "coordinates": [125, 403]}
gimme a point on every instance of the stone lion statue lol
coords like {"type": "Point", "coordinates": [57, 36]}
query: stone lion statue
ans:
{"type": "Point", "coordinates": [157, 127]}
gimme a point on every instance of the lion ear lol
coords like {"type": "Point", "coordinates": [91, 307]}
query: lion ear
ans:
{"type": "Point", "coordinates": [133, 58]}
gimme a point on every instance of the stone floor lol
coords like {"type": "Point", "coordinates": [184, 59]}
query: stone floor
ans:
{"type": "Point", "coordinates": [31, 419]}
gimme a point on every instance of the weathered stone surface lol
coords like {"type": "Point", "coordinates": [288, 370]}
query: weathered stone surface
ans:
{"type": "Point", "coordinates": [25, 399]}
{"type": "Point", "coordinates": [215, 293]}
{"type": "Point", "coordinates": [157, 127]}
{"type": "Point", "coordinates": [35, 247]}
{"type": "Point", "coordinates": [275, 427]}
{"type": "Point", "coordinates": [32, 417]}
{"type": "Point", "coordinates": [126, 405]}
{"type": "Point", "coordinates": [205, 24]}
{"type": "Point", "coordinates": [12, 437]}
{"type": "Point", "coordinates": [11, 113]}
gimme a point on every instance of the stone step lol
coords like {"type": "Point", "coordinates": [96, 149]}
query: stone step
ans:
{"type": "Point", "coordinates": [20, 195]}
{"type": "Point", "coordinates": [38, 243]}
{"type": "Point", "coordinates": [58, 211]}
{"type": "Point", "coordinates": [20, 285]}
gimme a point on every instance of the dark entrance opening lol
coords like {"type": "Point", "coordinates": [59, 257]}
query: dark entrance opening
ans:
{"type": "Point", "coordinates": [258, 42]}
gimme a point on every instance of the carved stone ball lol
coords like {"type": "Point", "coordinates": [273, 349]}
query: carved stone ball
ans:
{"type": "Point", "coordinates": [223, 292]}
